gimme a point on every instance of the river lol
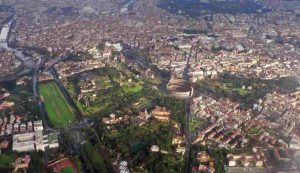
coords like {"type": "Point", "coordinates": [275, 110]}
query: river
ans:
{"type": "Point", "coordinates": [26, 61]}
{"type": "Point", "coordinates": [4, 35]}
{"type": "Point", "coordinates": [126, 6]}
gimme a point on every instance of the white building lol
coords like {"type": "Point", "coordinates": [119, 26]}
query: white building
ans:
{"type": "Point", "coordinates": [51, 140]}
{"type": "Point", "coordinates": [295, 144]}
{"type": "Point", "coordinates": [30, 141]}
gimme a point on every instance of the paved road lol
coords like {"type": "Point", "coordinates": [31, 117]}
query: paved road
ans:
{"type": "Point", "coordinates": [187, 168]}
{"type": "Point", "coordinates": [187, 137]}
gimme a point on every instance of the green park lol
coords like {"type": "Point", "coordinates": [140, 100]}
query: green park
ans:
{"type": "Point", "coordinates": [115, 89]}
{"type": "Point", "coordinates": [59, 112]}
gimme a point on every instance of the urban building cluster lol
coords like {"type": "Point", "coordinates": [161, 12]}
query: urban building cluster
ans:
{"type": "Point", "coordinates": [265, 128]}
{"type": "Point", "coordinates": [22, 133]}
{"type": "Point", "coordinates": [144, 45]}
{"type": "Point", "coordinates": [9, 63]}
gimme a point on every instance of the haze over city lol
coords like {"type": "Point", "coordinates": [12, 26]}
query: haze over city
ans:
{"type": "Point", "coordinates": [149, 86]}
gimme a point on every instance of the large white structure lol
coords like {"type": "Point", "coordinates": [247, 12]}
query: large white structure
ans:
{"type": "Point", "coordinates": [30, 141]}
{"type": "Point", "coordinates": [294, 144]}
{"type": "Point", "coordinates": [51, 140]}
{"type": "Point", "coordinates": [124, 167]}
{"type": "Point", "coordinates": [180, 88]}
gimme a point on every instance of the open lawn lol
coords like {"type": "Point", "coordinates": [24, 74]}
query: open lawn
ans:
{"type": "Point", "coordinates": [5, 162]}
{"type": "Point", "coordinates": [196, 123]}
{"type": "Point", "coordinates": [228, 87]}
{"type": "Point", "coordinates": [59, 112]}
{"type": "Point", "coordinates": [68, 169]}
{"type": "Point", "coordinates": [254, 130]}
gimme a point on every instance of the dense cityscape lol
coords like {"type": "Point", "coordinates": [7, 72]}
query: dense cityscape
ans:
{"type": "Point", "coordinates": [149, 86]}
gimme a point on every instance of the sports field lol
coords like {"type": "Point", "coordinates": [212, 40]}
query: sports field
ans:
{"type": "Point", "coordinates": [59, 112]}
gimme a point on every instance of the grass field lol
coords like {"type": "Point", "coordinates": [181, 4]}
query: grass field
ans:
{"type": "Point", "coordinates": [68, 169]}
{"type": "Point", "coordinates": [59, 112]}
{"type": "Point", "coordinates": [254, 130]}
{"type": "Point", "coordinates": [5, 162]}
{"type": "Point", "coordinates": [195, 123]}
